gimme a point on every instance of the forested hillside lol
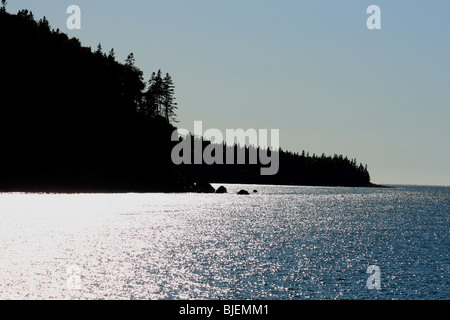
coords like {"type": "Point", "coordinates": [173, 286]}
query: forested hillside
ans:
{"type": "Point", "coordinates": [74, 118]}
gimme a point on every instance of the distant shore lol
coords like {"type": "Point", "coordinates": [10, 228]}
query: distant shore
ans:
{"type": "Point", "coordinates": [119, 190]}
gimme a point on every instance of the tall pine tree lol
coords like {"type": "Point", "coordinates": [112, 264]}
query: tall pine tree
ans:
{"type": "Point", "coordinates": [169, 104]}
{"type": "Point", "coordinates": [154, 95]}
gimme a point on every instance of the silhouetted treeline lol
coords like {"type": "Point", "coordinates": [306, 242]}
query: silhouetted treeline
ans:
{"type": "Point", "coordinates": [76, 119]}
{"type": "Point", "coordinates": [294, 168]}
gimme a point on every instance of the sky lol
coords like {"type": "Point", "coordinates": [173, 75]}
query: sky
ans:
{"type": "Point", "coordinates": [311, 69]}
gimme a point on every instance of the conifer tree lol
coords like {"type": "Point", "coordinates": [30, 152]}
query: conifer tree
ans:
{"type": "Point", "coordinates": [3, 8]}
{"type": "Point", "coordinates": [112, 54]}
{"type": "Point", "coordinates": [169, 104]}
{"type": "Point", "coordinates": [154, 95]}
{"type": "Point", "coordinates": [99, 50]}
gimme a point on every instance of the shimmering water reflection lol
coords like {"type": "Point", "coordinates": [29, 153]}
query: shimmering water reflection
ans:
{"type": "Point", "coordinates": [279, 243]}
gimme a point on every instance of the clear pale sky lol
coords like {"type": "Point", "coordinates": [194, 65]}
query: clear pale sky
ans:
{"type": "Point", "coordinates": [311, 69]}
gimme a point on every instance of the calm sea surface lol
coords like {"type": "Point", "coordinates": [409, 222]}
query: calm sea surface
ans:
{"type": "Point", "coordinates": [279, 243]}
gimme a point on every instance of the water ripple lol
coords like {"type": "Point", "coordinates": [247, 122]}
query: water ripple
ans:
{"type": "Point", "coordinates": [281, 243]}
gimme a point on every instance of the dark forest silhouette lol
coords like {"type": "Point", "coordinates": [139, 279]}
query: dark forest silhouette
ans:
{"type": "Point", "coordinates": [74, 119]}
{"type": "Point", "coordinates": [294, 168]}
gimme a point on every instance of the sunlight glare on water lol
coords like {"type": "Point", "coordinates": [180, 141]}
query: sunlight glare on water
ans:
{"type": "Point", "coordinates": [279, 243]}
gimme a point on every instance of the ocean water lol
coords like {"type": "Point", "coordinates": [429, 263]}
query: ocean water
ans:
{"type": "Point", "coordinates": [282, 242]}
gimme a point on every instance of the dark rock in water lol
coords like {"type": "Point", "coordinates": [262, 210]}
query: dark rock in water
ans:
{"type": "Point", "coordinates": [243, 192]}
{"type": "Point", "coordinates": [203, 187]}
{"type": "Point", "coordinates": [255, 191]}
{"type": "Point", "coordinates": [221, 189]}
